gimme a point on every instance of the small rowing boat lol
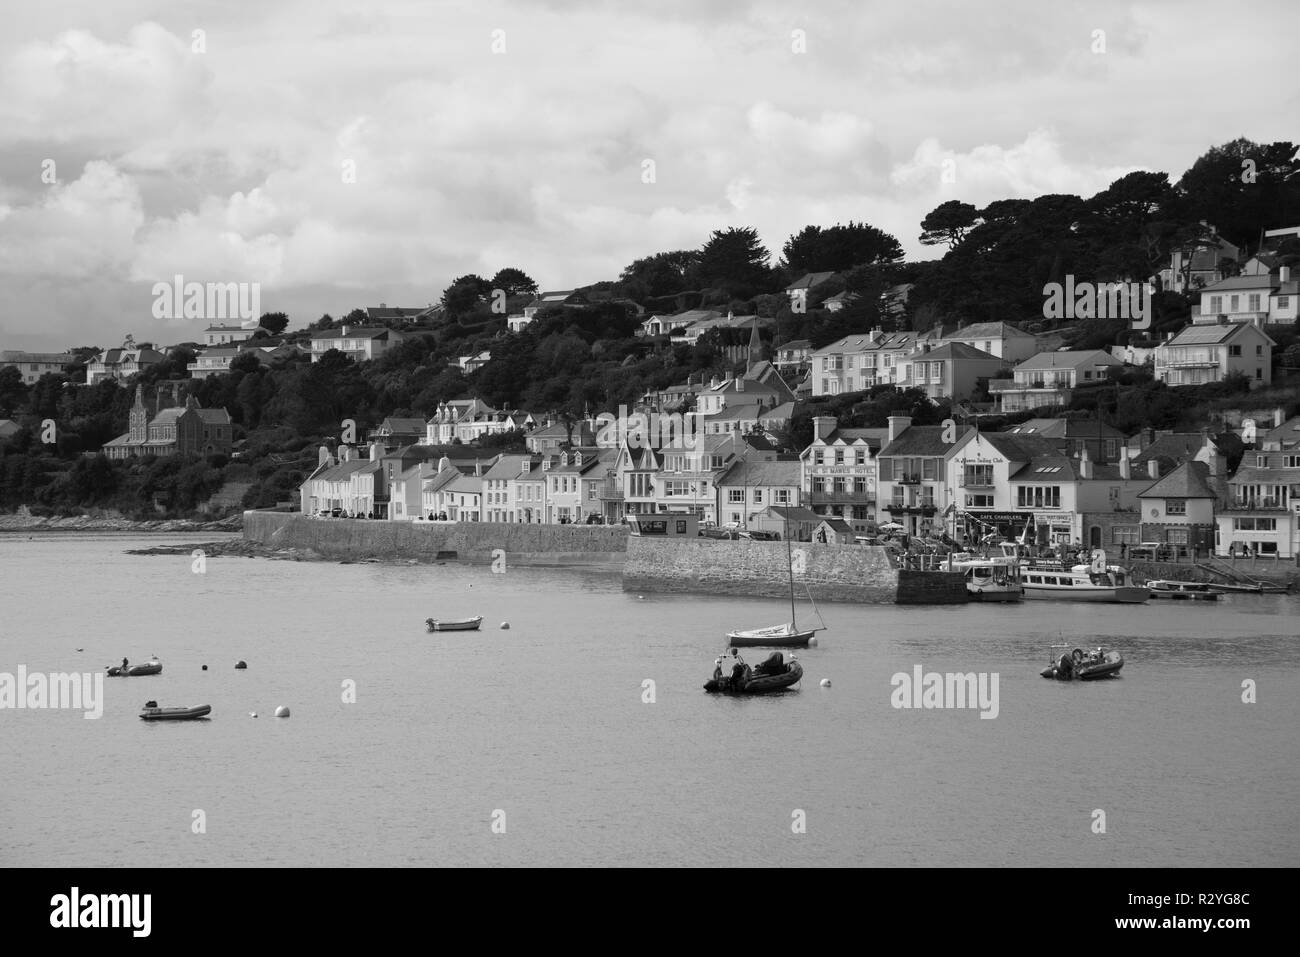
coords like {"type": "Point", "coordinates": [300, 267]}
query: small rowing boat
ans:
{"type": "Point", "coordinates": [778, 636]}
{"type": "Point", "coordinates": [152, 712]}
{"type": "Point", "coordinates": [454, 624]}
{"type": "Point", "coordinates": [1182, 591]}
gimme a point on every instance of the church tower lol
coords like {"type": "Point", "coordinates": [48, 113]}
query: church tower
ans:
{"type": "Point", "coordinates": [755, 346]}
{"type": "Point", "coordinates": [139, 419]}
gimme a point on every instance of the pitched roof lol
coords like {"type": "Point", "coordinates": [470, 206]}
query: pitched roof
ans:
{"type": "Point", "coordinates": [955, 351]}
{"type": "Point", "coordinates": [1186, 481]}
{"type": "Point", "coordinates": [1242, 282]}
{"type": "Point", "coordinates": [1208, 333]}
{"type": "Point", "coordinates": [403, 424]}
{"type": "Point", "coordinates": [356, 332]}
{"type": "Point", "coordinates": [1070, 359]}
{"type": "Point", "coordinates": [989, 330]}
{"type": "Point", "coordinates": [794, 345]}
{"type": "Point", "coordinates": [918, 440]}
{"type": "Point", "coordinates": [838, 524]}
{"type": "Point", "coordinates": [1169, 450]}
{"type": "Point", "coordinates": [762, 474]}
{"type": "Point", "coordinates": [1066, 429]}
{"type": "Point", "coordinates": [809, 280]}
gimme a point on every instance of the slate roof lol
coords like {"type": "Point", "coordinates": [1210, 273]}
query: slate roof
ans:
{"type": "Point", "coordinates": [989, 330]}
{"type": "Point", "coordinates": [1068, 360]}
{"type": "Point", "coordinates": [1188, 480]}
{"type": "Point", "coordinates": [787, 474]}
{"type": "Point", "coordinates": [918, 440]}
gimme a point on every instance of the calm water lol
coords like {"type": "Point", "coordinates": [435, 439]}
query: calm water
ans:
{"type": "Point", "coordinates": [546, 722]}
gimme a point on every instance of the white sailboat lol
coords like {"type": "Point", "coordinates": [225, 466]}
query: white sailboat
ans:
{"type": "Point", "coordinates": [787, 635]}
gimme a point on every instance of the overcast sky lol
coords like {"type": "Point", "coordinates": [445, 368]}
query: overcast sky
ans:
{"type": "Point", "coordinates": [228, 164]}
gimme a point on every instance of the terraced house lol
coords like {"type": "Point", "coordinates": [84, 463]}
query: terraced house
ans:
{"type": "Point", "coordinates": [911, 482]}
{"type": "Point", "coordinates": [1262, 510]}
{"type": "Point", "coordinates": [838, 472]}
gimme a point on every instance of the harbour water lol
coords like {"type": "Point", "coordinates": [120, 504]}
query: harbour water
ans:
{"type": "Point", "coordinates": [549, 723]}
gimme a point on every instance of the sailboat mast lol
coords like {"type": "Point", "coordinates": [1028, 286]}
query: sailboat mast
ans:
{"type": "Point", "coordinates": [789, 564]}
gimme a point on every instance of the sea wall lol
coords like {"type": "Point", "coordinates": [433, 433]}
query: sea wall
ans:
{"type": "Point", "coordinates": [854, 573]}
{"type": "Point", "coordinates": [357, 539]}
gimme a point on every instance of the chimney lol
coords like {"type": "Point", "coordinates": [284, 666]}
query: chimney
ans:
{"type": "Point", "coordinates": [1284, 274]}
{"type": "Point", "coordinates": [1085, 464]}
{"type": "Point", "coordinates": [713, 383]}
{"type": "Point", "coordinates": [1278, 417]}
{"type": "Point", "coordinates": [1209, 454]}
{"type": "Point", "coordinates": [1124, 467]}
{"type": "Point", "coordinates": [823, 425]}
{"type": "Point", "coordinates": [323, 457]}
{"type": "Point", "coordinates": [345, 329]}
{"type": "Point", "coordinates": [444, 463]}
{"type": "Point", "coordinates": [1153, 468]}
{"type": "Point", "coordinates": [478, 469]}
{"type": "Point", "coordinates": [740, 384]}
{"type": "Point", "coordinates": [898, 424]}
{"type": "Point", "coordinates": [345, 453]}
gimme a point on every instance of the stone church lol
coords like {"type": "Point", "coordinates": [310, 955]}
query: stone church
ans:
{"type": "Point", "coordinates": [186, 430]}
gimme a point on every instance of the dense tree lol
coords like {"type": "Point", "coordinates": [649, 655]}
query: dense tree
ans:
{"type": "Point", "coordinates": [735, 261]}
{"type": "Point", "coordinates": [274, 322]}
{"type": "Point", "coordinates": [515, 282]}
{"type": "Point", "coordinates": [948, 223]}
{"type": "Point", "coordinates": [1243, 188]}
{"type": "Point", "coordinates": [662, 274]}
{"type": "Point", "coordinates": [465, 293]}
{"type": "Point", "coordinates": [837, 248]}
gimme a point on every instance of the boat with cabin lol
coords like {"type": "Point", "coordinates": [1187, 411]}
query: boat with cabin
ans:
{"type": "Point", "coordinates": [989, 579]}
{"type": "Point", "coordinates": [1097, 582]}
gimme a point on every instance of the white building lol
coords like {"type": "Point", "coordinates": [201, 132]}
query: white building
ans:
{"type": "Point", "coordinates": [1209, 352]}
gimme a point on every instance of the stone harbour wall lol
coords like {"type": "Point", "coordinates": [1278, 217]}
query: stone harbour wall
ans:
{"type": "Point", "coordinates": [357, 539]}
{"type": "Point", "coordinates": [851, 573]}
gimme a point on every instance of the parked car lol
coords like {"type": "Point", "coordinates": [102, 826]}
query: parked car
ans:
{"type": "Point", "coordinates": [336, 512]}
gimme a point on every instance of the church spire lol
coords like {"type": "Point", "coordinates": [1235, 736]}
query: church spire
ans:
{"type": "Point", "coordinates": [755, 346]}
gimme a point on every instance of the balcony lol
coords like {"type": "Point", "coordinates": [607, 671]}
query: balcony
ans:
{"type": "Point", "coordinates": [1189, 363]}
{"type": "Point", "coordinates": [840, 498]}
{"type": "Point", "coordinates": [912, 478]}
{"type": "Point", "coordinates": [916, 508]}
{"type": "Point", "coordinates": [972, 481]}
{"type": "Point", "coordinates": [1257, 505]}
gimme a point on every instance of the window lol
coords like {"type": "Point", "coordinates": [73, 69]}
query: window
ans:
{"type": "Point", "coordinates": [1291, 461]}
{"type": "Point", "coordinates": [979, 475]}
{"type": "Point", "coordinates": [758, 496]}
{"type": "Point", "coordinates": [1259, 350]}
{"type": "Point", "coordinates": [1252, 302]}
{"type": "Point", "coordinates": [1177, 536]}
{"type": "Point", "coordinates": [1259, 373]}
{"type": "Point", "coordinates": [1232, 302]}
{"type": "Point", "coordinates": [860, 457]}
{"type": "Point", "coordinates": [1216, 304]}
{"type": "Point", "coordinates": [927, 468]}
{"type": "Point", "coordinates": [1234, 350]}
{"type": "Point", "coordinates": [1175, 506]}
{"type": "Point", "coordinates": [1087, 373]}
{"type": "Point", "coordinates": [839, 456]}
{"type": "Point", "coordinates": [860, 486]}
{"type": "Point", "coordinates": [1283, 302]}
{"type": "Point", "coordinates": [782, 496]}
{"type": "Point", "coordinates": [979, 501]}
{"type": "Point", "coordinates": [735, 496]}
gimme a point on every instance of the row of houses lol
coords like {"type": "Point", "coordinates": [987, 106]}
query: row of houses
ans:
{"type": "Point", "coordinates": [1047, 481]}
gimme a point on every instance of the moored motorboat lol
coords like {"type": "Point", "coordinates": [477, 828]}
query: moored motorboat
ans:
{"type": "Point", "coordinates": [990, 579]}
{"type": "Point", "coordinates": [1080, 665]}
{"type": "Point", "coordinates": [152, 712]}
{"type": "Point", "coordinates": [1097, 582]}
{"type": "Point", "coordinates": [775, 674]}
{"type": "Point", "coordinates": [454, 624]}
{"type": "Point", "coordinates": [150, 667]}
{"type": "Point", "coordinates": [1181, 591]}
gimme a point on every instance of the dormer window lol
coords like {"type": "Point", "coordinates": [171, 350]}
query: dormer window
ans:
{"type": "Point", "coordinates": [577, 458]}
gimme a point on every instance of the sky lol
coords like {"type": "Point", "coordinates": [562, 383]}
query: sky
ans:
{"type": "Point", "coordinates": [344, 154]}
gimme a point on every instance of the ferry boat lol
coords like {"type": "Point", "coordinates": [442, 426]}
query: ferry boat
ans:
{"type": "Point", "coordinates": [1182, 591]}
{"type": "Point", "coordinates": [1098, 581]}
{"type": "Point", "coordinates": [990, 579]}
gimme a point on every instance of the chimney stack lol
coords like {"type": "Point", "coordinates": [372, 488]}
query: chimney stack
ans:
{"type": "Point", "coordinates": [1125, 469]}
{"type": "Point", "coordinates": [1284, 274]}
{"type": "Point", "coordinates": [1085, 464]}
{"type": "Point", "coordinates": [345, 329]}
{"type": "Point", "coordinates": [323, 457]}
{"type": "Point", "coordinates": [823, 425]}
{"type": "Point", "coordinates": [898, 424]}
{"type": "Point", "coordinates": [1153, 468]}
{"type": "Point", "coordinates": [376, 451]}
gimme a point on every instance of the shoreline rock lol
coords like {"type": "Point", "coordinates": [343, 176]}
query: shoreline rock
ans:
{"type": "Point", "coordinates": [24, 521]}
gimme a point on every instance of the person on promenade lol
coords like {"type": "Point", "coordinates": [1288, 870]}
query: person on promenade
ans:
{"type": "Point", "coordinates": [1123, 550]}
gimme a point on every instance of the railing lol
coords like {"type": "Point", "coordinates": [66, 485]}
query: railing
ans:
{"type": "Point", "coordinates": [913, 478]}
{"type": "Point", "coordinates": [1256, 505]}
{"type": "Point", "coordinates": [847, 498]}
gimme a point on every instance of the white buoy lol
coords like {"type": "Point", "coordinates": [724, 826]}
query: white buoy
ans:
{"type": "Point", "coordinates": [812, 642]}
{"type": "Point", "coordinates": [505, 626]}
{"type": "Point", "coordinates": [282, 712]}
{"type": "Point", "coordinates": [252, 714]}
{"type": "Point", "coordinates": [826, 682]}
